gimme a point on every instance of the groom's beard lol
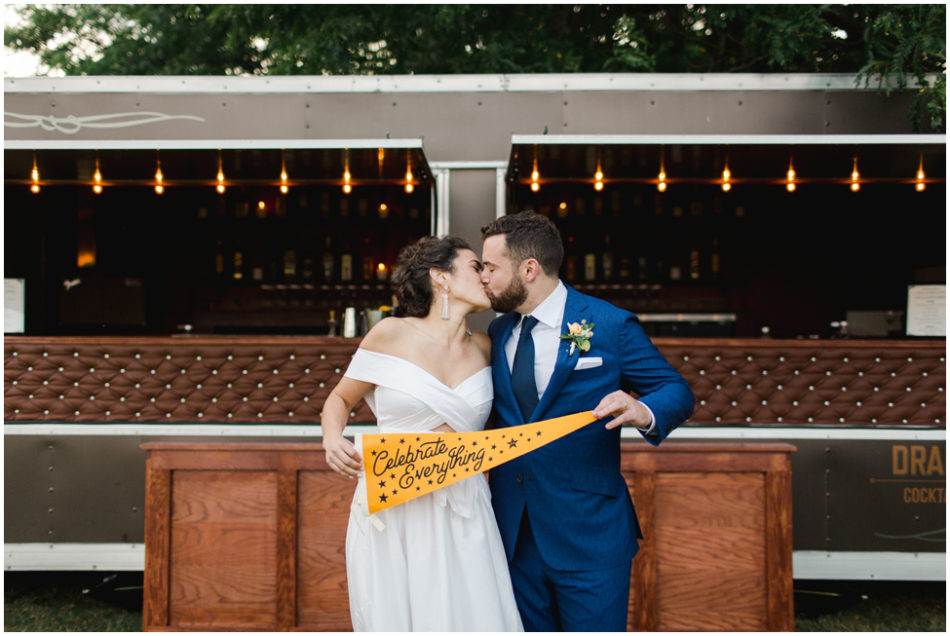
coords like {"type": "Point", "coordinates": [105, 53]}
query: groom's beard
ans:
{"type": "Point", "coordinates": [510, 298]}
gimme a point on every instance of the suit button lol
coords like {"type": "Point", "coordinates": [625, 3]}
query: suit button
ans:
{"type": "Point", "coordinates": [520, 479]}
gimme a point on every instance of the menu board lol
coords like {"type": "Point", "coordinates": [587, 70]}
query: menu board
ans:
{"type": "Point", "coordinates": [14, 294]}
{"type": "Point", "coordinates": [927, 310]}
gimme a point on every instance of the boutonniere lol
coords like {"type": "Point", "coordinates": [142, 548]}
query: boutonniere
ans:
{"type": "Point", "coordinates": [579, 333]}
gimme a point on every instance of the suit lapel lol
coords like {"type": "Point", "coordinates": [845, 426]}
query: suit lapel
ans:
{"type": "Point", "coordinates": [574, 310]}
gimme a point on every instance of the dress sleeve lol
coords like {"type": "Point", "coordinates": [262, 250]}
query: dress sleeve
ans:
{"type": "Point", "coordinates": [364, 367]}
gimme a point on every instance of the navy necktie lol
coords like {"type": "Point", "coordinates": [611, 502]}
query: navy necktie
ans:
{"type": "Point", "coordinates": [522, 370]}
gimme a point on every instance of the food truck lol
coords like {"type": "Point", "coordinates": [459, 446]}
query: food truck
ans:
{"type": "Point", "coordinates": [196, 258]}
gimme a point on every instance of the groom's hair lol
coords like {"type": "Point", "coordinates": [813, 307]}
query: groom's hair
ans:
{"type": "Point", "coordinates": [529, 235]}
{"type": "Point", "coordinates": [410, 280]}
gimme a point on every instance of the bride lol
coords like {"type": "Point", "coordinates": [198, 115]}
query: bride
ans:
{"type": "Point", "coordinates": [435, 563]}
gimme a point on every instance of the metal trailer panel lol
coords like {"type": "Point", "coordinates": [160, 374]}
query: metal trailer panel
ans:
{"type": "Point", "coordinates": [850, 497]}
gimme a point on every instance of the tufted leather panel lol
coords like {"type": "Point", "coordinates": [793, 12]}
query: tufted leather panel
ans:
{"type": "Point", "coordinates": [199, 379]}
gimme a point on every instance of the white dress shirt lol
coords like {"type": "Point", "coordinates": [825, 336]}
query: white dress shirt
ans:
{"type": "Point", "coordinates": [547, 338]}
{"type": "Point", "coordinates": [546, 335]}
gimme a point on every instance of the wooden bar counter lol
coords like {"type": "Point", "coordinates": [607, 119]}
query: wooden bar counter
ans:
{"type": "Point", "coordinates": [250, 536]}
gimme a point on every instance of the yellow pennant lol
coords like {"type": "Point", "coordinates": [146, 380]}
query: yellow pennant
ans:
{"type": "Point", "coordinates": [403, 466]}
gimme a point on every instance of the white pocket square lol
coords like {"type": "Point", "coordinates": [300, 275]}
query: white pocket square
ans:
{"type": "Point", "coordinates": [588, 363]}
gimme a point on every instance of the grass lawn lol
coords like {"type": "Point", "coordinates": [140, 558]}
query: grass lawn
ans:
{"type": "Point", "coordinates": [100, 602]}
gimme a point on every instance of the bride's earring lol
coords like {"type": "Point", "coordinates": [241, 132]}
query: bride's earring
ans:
{"type": "Point", "coordinates": [445, 303]}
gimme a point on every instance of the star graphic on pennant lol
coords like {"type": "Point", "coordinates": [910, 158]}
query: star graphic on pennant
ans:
{"type": "Point", "coordinates": [539, 433]}
{"type": "Point", "coordinates": [512, 443]}
{"type": "Point", "coordinates": [402, 441]}
{"type": "Point", "coordinates": [520, 434]}
{"type": "Point", "coordinates": [374, 453]}
{"type": "Point", "coordinates": [382, 498]}
{"type": "Point", "coordinates": [382, 441]}
{"type": "Point", "coordinates": [393, 476]}
{"type": "Point", "coordinates": [493, 447]}
{"type": "Point", "coordinates": [418, 488]}
{"type": "Point", "coordinates": [474, 443]}
{"type": "Point", "coordinates": [394, 492]}
{"type": "Point", "coordinates": [430, 482]}
{"type": "Point", "coordinates": [382, 484]}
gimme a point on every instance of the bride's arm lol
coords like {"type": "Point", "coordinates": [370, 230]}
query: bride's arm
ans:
{"type": "Point", "coordinates": [341, 453]}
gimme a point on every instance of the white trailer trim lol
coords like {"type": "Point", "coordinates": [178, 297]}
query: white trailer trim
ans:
{"type": "Point", "coordinates": [208, 144]}
{"type": "Point", "coordinates": [476, 83]}
{"type": "Point", "coordinates": [759, 140]}
{"type": "Point", "coordinates": [876, 566]}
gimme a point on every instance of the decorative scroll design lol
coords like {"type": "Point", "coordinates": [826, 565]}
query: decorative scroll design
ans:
{"type": "Point", "coordinates": [71, 124]}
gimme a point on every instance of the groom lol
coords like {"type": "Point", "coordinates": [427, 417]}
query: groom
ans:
{"type": "Point", "coordinates": [564, 512]}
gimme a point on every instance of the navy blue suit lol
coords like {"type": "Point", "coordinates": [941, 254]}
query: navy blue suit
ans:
{"type": "Point", "coordinates": [571, 492]}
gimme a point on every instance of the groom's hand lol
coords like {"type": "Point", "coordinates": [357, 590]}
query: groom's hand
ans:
{"type": "Point", "coordinates": [628, 410]}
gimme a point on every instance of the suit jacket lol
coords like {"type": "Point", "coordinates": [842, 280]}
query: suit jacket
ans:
{"type": "Point", "coordinates": [576, 499]}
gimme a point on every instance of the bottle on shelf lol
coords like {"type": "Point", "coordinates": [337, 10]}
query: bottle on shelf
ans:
{"type": "Point", "coordinates": [694, 269]}
{"type": "Point", "coordinates": [607, 260]}
{"type": "Point", "coordinates": [328, 261]}
{"type": "Point", "coordinates": [590, 267]}
{"type": "Point", "coordinates": [290, 265]}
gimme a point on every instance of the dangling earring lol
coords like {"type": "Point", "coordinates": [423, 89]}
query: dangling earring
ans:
{"type": "Point", "coordinates": [445, 303]}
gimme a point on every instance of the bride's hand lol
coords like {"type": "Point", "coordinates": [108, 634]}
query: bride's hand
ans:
{"type": "Point", "coordinates": [342, 456]}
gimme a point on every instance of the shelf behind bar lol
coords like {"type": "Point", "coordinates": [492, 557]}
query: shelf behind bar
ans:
{"type": "Point", "coordinates": [716, 317]}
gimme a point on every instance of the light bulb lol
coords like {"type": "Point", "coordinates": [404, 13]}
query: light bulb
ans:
{"type": "Point", "coordinates": [283, 180]}
{"type": "Point", "coordinates": [409, 188]}
{"type": "Point", "coordinates": [726, 186]}
{"type": "Point", "coordinates": [535, 175]}
{"type": "Point", "coordinates": [347, 188]}
{"type": "Point", "coordinates": [920, 186]}
{"type": "Point", "coordinates": [599, 175]}
{"type": "Point", "coordinates": [97, 179]}
{"type": "Point", "coordinates": [535, 186]}
{"type": "Point", "coordinates": [661, 186]}
{"type": "Point", "coordinates": [790, 186]}
{"type": "Point", "coordinates": [35, 177]}
{"type": "Point", "coordinates": [855, 176]}
{"type": "Point", "coordinates": [159, 180]}
{"type": "Point", "coordinates": [598, 185]}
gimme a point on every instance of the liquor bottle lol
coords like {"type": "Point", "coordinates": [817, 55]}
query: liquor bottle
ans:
{"type": "Point", "coordinates": [570, 258]}
{"type": "Point", "coordinates": [607, 260]}
{"type": "Point", "coordinates": [328, 261]}
{"type": "Point", "coordinates": [306, 271]}
{"type": "Point", "coordinates": [219, 260]}
{"type": "Point", "coordinates": [625, 269]}
{"type": "Point", "coordinates": [346, 267]}
{"type": "Point", "coordinates": [714, 260]}
{"type": "Point", "coordinates": [367, 268]}
{"type": "Point", "coordinates": [598, 205]}
{"type": "Point", "coordinates": [643, 269]}
{"type": "Point", "coordinates": [615, 204]}
{"type": "Point", "coordinates": [237, 260]}
{"type": "Point", "coordinates": [362, 207]}
{"type": "Point", "coordinates": [694, 273]}
{"type": "Point", "coordinates": [344, 207]}
{"type": "Point", "coordinates": [590, 267]}
{"type": "Point", "coordinates": [290, 265]}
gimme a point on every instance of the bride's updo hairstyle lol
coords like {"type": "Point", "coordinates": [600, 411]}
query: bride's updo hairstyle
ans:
{"type": "Point", "coordinates": [411, 282]}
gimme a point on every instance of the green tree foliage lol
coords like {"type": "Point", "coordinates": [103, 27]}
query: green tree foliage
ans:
{"type": "Point", "coordinates": [882, 43]}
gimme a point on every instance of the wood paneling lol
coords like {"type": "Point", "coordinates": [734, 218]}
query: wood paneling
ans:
{"type": "Point", "coordinates": [223, 548]}
{"type": "Point", "coordinates": [251, 536]}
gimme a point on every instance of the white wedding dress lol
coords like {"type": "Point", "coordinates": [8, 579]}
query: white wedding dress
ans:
{"type": "Point", "coordinates": [438, 563]}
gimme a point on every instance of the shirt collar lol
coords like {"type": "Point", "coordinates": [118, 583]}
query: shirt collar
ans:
{"type": "Point", "coordinates": [551, 310]}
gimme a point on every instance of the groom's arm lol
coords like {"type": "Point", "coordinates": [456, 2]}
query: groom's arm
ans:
{"type": "Point", "coordinates": [661, 388]}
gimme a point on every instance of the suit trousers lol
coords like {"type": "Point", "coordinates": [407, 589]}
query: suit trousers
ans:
{"type": "Point", "coordinates": [562, 600]}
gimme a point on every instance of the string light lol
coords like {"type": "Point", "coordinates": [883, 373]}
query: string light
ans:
{"type": "Point", "coordinates": [855, 177]}
{"type": "Point", "coordinates": [283, 175]}
{"type": "Point", "coordinates": [35, 176]}
{"type": "Point", "coordinates": [409, 177]}
{"type": "Point", "coordinates": [220, 187]}
{"type": "Point", "coordinates": [726, 178]}
{"type": "Point", "coordinates": [535, 177]}
{"type": "Point", "coordinates": [159, 177]}
{"type": "Point", "coordinates": [920, 186]}
{"type": "Point", "coordinates": [97, 179]}
{"type": "Point", "coordinates": [599, 178]}
{"type": "Point", "coordinates": [790, 185]}
{"type": "Point", "coordinates": [661, 178]}
{"type": "Point", "coordinates": [347, 188]}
